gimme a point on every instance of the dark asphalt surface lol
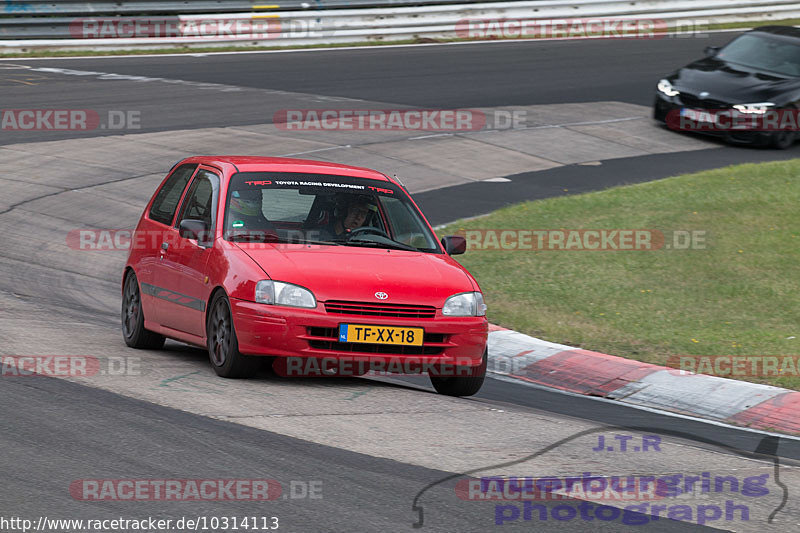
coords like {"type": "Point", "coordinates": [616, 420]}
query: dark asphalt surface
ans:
{"type": "Point", "coordinates": [471, 75]}
{"type": "Point", "coordinates": [461, 201]}
{"type": "Point", "coordinates": [54, 432]}
{"type": "Point", "coordinates": [441, 77]}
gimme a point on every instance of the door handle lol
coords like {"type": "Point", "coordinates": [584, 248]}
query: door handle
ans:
{"type": "Point", "coordinates": [164, 246]}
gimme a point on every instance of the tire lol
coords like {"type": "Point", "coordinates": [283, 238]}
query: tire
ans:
{"type": "Point", "coordinates": [132, 318]}
{"type": "Point", "coordinates": [462, 385]}
{"type": "Point", "coordinates": [783, 140]}
{"type": "Point", "coordinates": [223, 346]}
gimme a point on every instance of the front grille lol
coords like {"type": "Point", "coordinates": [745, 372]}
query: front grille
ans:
{"type": "Point", "coordinates": [379, 309]}
{"type": "Point", "coordinates": [387, 349]}
{"type": "Point", "coordinates": [690, 100]}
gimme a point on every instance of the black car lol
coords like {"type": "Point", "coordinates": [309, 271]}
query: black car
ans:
{"type": "Point", "coordinates": [755, 79]}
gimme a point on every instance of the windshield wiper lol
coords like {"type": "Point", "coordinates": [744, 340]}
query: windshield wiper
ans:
{"type": "Point", "coordinates": [272, 238]}
{"type": "Point", "coordinates": [381, 244]}
{"type": "Point", "coordinates": [304, 241]}
{"type": "Point", "coordinates": [253, 237]}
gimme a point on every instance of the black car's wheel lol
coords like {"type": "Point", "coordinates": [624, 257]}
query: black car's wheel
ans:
{"type": "Point", "coordinates": [783, 140]}
{"type": "Point", "coordinates": [133, 331]}
{"type": "Point", "coordinates": [466, 381]}
{"type": "Point", "coordinates": [223, 347]}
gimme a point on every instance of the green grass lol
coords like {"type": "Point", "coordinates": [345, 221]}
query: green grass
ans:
{"type": "Point", "coordinates": [738, 296]}
{"type": "Point", "coordinates": [245, 48]}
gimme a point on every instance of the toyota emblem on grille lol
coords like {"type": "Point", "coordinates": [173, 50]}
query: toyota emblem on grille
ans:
{"type": "Point", "coordinates": [381, 295]}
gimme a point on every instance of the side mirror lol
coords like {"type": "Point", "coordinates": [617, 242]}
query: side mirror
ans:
{"type": "Point", "coordinates": [454, 244]}
{"type": "Point", "coordinates": [711, 51]}
{"type": "Point", "coordinates": [193, 229]}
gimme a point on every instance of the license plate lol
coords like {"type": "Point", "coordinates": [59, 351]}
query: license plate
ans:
{"type": "Point", "coordinates": [380, 334]}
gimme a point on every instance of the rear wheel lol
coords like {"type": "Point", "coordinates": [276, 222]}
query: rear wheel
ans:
{"type": "Point", "coordinates": [223, 346]}
{"type": "Point", "coordinates": [466, 382]}
{"type": "Point", "coordinates": [133, 331]}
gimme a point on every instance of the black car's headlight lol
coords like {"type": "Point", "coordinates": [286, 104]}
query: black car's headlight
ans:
{"type": "Point", "coordinates": [465, 304]}
{"type": "Point", "coordinates": [665, 87]}
{"type": "Point", "coordinates": [280, 293]}
{"type": "Point", "coordinates": [754, 109]}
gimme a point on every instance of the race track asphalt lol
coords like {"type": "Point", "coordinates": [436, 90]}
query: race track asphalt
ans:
{"type": "Point", "coordinates": [54, 431]}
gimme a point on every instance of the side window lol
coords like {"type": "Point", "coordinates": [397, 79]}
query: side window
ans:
{"type": "Point", "coordinates": [407, 226]}
{"type": "Point", "coordinates": [166, 201]}
{"type": "Point", "coordinates": [200, 203]}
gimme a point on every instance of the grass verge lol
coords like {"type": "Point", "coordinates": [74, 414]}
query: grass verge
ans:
{"type": "Point", "coordinates": [736, 296]}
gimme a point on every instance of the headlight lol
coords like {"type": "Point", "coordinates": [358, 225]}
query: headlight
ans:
{"type": "Point", "coordinates": [280, 293]}
{"type": "Point", "coordinates": [465, 304]}
{"type": "Point", "coordinates": [754, 109]}
{"type": "Point", "coordinates": [664, 86]}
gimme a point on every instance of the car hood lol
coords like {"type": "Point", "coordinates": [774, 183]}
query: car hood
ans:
{"type": "Point", "coordinates": [356, 274]}
{"type": "Point", "coordinates": [731, 83]}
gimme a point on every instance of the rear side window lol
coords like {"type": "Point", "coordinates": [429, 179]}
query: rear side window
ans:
{"type": "Point", "coordinates": [166, 202]}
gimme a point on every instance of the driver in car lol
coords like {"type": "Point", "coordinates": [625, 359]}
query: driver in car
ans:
{"type": "Point", "coordinates": [351, 213]}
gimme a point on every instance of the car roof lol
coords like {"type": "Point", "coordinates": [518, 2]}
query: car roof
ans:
{"type": "Point", "coordinates": [244, 163]}
{"type": "Point", "coordinates": [784, 31]}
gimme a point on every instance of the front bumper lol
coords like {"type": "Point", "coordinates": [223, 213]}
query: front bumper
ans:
{"type": "Point", "coordinates": [312, 333]}
{"type": "Point", "coordinates": [665, 107]}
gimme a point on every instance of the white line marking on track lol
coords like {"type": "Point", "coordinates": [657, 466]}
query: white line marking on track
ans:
{"type": "Point", "coordinates": [318, 150]}
{"type": "Point", "coordinates": [201, 55]}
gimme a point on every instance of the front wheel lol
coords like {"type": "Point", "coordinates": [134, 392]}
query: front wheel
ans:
{"type": "Point", "coordinates": [466, 382]}
{"type": "Point", "coordinates": [133, 318]}
{"type": "Point", "coordinates": [223, 346]}
{"type": "Point", "coordinates": [783, 140]}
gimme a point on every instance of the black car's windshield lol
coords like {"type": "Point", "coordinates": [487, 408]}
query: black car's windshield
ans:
{"type": "Point", "coordinates": [761, 51]}
{"type": "Point", "coordinates": [322, 209]}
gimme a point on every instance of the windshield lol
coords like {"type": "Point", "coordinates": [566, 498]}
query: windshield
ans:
{"type": "Point", "coordinates": [323, 209]}
{"type": "Point", "coordinates": [760, 51]}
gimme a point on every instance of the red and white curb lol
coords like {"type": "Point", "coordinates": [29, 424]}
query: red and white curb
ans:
{"type": "Point", "coordinates": [514, 355]}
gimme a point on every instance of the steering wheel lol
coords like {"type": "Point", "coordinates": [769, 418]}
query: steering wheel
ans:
{"type": "Point", "coordinates": [367, 229]}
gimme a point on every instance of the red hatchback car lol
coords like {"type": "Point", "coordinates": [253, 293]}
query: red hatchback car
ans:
{"type": "Point", "coordinates": [326, 269]}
